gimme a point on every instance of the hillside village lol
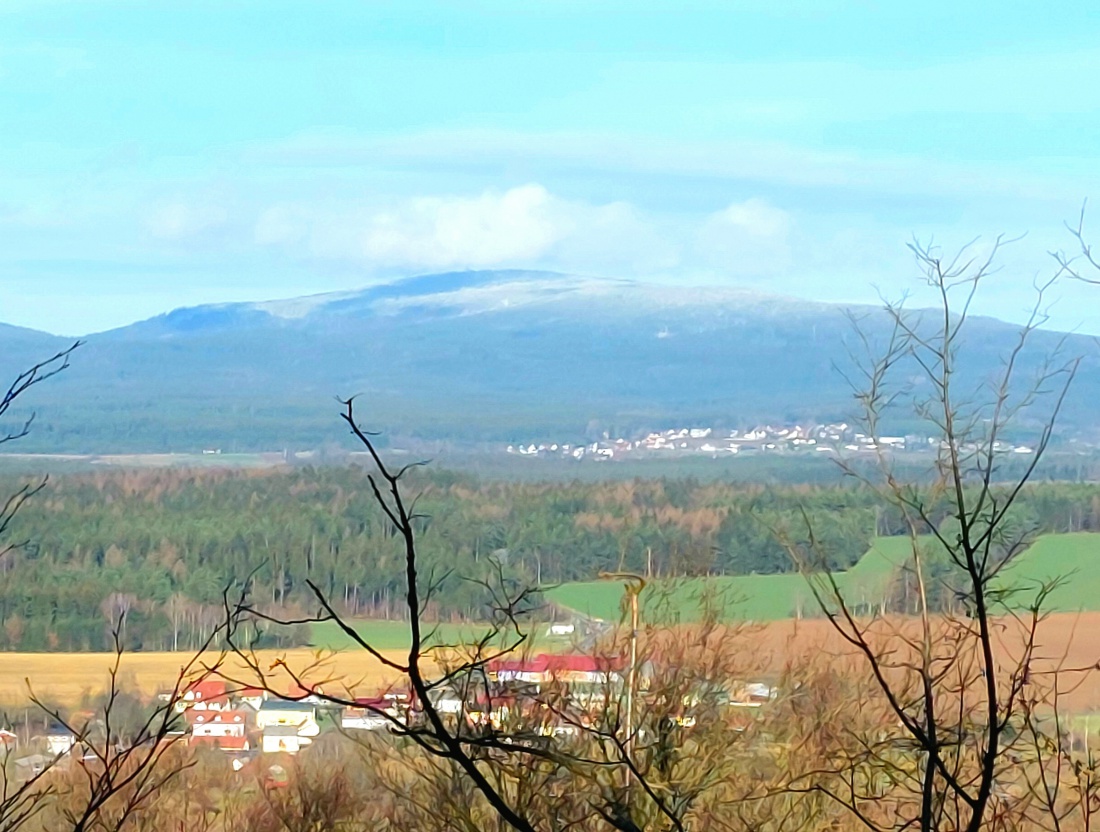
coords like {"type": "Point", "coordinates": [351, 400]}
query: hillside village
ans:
{"type": "Point", "coordinates": [833, 439]}
{"type": "Point", "coordinates": [244, 721]}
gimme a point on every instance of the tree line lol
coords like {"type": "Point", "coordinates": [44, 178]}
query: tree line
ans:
{"type": "Point", "coordinates": [158, 548]}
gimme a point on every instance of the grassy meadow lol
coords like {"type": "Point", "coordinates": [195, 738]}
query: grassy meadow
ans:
{"type": "Point", "coordinates": [1072, 561]}
{"type": "Point", "coordinates": [1073, 558]}
{"type": "Point", "coordinates": [751, 597]}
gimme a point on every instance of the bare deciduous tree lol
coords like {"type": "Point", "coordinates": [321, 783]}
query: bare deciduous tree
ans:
{"type": "Point", "coordinates": [115, 770]}
{"type": "Point", "coordinates": [969, 732]}
{"type": "Point", "coordinates": [533, 760]}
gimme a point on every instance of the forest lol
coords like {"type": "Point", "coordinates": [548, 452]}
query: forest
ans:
{"type": "Point", "coordinates": [162, 546]}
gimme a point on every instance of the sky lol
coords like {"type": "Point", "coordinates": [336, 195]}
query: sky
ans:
{"type": "Point", "coordinates": [157, 155]}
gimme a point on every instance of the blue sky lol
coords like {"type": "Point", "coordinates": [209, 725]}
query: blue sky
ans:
{"type": "Point", "coordinates": [154, 155]}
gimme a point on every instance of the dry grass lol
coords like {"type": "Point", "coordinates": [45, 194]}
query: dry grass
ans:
{"type": "Point", "coordinates": [65, 678]}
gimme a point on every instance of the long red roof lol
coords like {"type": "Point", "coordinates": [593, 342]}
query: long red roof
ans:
{"type": "Point", "coordinates": [550, 663]}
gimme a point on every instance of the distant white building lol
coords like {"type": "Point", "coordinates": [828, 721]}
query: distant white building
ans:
{"type": "Point", "coordinates": [283, 739]}
{"type": "Point", "coordinates": [217, 723]}
{"type": "Point", "coordinates": [279, 713]}
{"type": "Point", "coordinates": [59, 740]}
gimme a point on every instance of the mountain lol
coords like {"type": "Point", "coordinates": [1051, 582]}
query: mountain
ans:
{"type": "Point", "coordinates": [471, 356]}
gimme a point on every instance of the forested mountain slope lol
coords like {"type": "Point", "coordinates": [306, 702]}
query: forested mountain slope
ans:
{"type": "Point", "coordinates": [472, 356]}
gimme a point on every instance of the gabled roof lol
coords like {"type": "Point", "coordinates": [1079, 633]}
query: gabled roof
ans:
{"type": "Point", "coordinates": [377, 702]}
{"type": "Point", "coordinates": [205, 690]}
{"type": "Point", "coordinates": [298, 691]}
{"type": "Point", "coordinates": [287, 705]}
{"type": "Point", "coordinates": [281, 731]}
{"type": "Point", "coordinates": [216, 717]}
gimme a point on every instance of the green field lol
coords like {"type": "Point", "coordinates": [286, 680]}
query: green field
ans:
{"type": "Point", "coordinates": [394, 635]}
{"type": "Point", "coordinates": [752, 597]}
{"type": "Point", "coordinates": [1073, 557]}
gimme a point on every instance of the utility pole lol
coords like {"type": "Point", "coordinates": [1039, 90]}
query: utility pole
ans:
{"type": "Point", "coordinates": [633, 586]}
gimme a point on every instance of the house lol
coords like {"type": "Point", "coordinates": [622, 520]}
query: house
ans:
{"type": "Point", "coordinates": [751, 694]}
{"type": "Point", "coordinates": [283, 739]}
{"type": "Point", "coordinates": [370, 712]}
{"type": "Point", "coordinates": [250, 696]}
{"type": "Point", "coordinates": [205, 694]}
{"type": "Point", "coordinates": [223, 743]}
{"type": "Point", "coordinates": [563, 669]}
{"type": "Point", "coordinates": [217, 724]}
{"type": "Point", "coordinates": [447, 700]}
{"type": "Point", "coordinates": [27, 768]}
{"type": "Point", "coordinates": [59, 740]}
{"type": "Point", "coordinates": [313, 694]}
{"type": "Point", "coordinates": [366, 716]}
{"type": "Point", "coordinates": [360, 719]}
{"type": "Point", "coordinates": [492, 711]}
{"type": "Point", "coordinates": [282, 713]}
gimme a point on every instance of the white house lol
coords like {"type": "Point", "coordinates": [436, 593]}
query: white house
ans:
{"type": "Point", "coordinates": [281, 713]}
{"type": "Point", "coordinates": [218, 723]}
{"type": "Point", "coordinates": [252, 697]}
{"type": "Point", "coordinates": [284, 739]}
{"type": "Point", "coordinates": [59, 740]}
{"type": "Point", "coordinates": [206, 694]}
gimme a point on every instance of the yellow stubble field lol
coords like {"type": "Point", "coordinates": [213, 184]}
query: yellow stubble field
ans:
{"type": "Point", "coordinates": [65, 679]}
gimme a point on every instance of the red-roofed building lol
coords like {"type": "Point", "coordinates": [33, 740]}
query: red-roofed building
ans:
{"type": "Point", "coordinates": [206, 694]}
{"type": "Point", "coordinates": [314, 694]}
{"type": "Point", "coordinates": [211, 723]}
{"type": "Point", "coordinates": [566, 669]}
{"type": "Point", "coordinates": [224, 743]}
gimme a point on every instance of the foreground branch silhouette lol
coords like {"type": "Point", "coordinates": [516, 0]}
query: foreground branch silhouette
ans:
{"type": "Point", "coordinates": [975, 703]}
{"type": "Point", "coordinates": [533, 760]}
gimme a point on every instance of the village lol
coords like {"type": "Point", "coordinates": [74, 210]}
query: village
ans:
{"type": "Point", "coordinates": [820, 439]}
{"type": "Point", "coordinates": [548, 695]}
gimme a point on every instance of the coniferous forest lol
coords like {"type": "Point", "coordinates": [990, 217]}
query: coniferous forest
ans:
{"type": "Point", "coordinates": [162, 546]}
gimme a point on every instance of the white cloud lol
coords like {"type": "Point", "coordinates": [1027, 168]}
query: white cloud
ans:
{"type": "Point", "coordinates": [524, 226]}
{"type": "Point", "coordinates": [753, 217]}
{"type": "Point", "coordinates": [749, 239]}
{"type": "Point", "coordinates": [517, 225]}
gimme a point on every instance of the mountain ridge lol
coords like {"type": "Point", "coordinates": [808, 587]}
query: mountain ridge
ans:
{"type": "Point", "coordinates": [471, 356]}
{"type": "Point", "coordinates": [419, 286]}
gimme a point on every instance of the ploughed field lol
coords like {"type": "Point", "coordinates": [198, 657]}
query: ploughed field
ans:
{"type": "Point", "coordinates": [1069, 641]}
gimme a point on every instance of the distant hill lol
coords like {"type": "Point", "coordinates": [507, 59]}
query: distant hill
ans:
{"type": "Point", "coordinates": [489, 356]}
